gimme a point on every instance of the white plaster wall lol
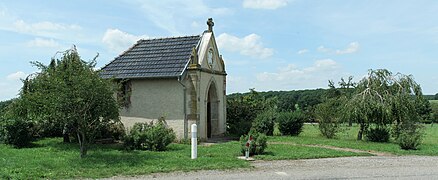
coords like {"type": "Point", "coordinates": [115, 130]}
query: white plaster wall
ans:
{"type": "Point", "coordinates": [155, 98]}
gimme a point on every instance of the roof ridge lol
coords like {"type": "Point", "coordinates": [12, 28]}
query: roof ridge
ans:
{"type": "Point", "coordinates": [170, 37]}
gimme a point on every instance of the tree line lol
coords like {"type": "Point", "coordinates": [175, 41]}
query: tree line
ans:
{"type": "Point", "coordinates": [383, 105]}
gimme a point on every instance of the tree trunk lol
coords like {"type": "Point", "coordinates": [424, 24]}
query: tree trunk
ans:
{"type": "Point", "coordinates": [360, 133]}
{"type": "Point", "coordinates": [65, 134]}
{"type": "Point", "coordinates": [83, 148]}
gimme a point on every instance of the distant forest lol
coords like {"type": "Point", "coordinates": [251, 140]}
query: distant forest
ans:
{"type": "Point", "coordinates": [304, 99]}
{"type": "Point", "coordinates": [287, 100]}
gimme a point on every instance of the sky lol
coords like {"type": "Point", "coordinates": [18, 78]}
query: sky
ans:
{"type": "Point", "coordinates": [266, 44]}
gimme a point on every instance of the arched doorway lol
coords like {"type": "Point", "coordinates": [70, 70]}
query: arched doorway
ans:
{"type": "Point", "coordinates": [212, 111]}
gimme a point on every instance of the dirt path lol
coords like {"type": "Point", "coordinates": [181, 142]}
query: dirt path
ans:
{"type": "Point", "coordinates": [375, 153]}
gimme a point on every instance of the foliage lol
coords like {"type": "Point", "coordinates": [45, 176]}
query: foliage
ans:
{"type": "Point", "coordinates": [69, 92]}
{"type": "Point", "coordinates": [4, 105]}
{"type": "Point", "coordinates": [264, 122]}
{"type": "Point", "coordinates": [327, 114]}
{"type": "Point", "coordinates": [257, 145]}
{"type": "Point", "coordinates": [424, 110]}
{"type": "Point", "coordinates": [291, 123]}
{"type": "Point", "coordinates": [18, 133]}
{"type": "Point", "coordinates": [242, 110]}
{"type": "Point", "coordinates": [434, 113]}
{"type": "Point", "coordinates": [289, 101]}
{"type": "Point", "coordinates": [149, 136]}
{"type": "Point", "coordinates": [382, 99]}
{"type": "Point", "coordinates": [410, 136]}
{"type": "Point", "coordinates": [113, 130]}
{"type": "Point", "coordinates": [379, 134]}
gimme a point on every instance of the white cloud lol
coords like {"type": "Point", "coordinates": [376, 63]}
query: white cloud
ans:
{"type": "Point", "coordinates": [303, 51]}
{"type": "Point", "coordinates": [170, 15]}
{"type": "Point", "coordinates": [39, 42]}
{"type": "Point", "coordinates": [323, 49]}
{"type": "Point", "coordinates": [293, 77]}
{"type": "Point", "coordinates": [118, 41]}
{"type": "Point", "coordinates": [249, 45]}
{"type": "Point", "coordinates": [9, 90]}
{"type": "Point", "coordinates": [264, 4]}
{"type": "Point", "coordinates": [44, 28]}
{"type": "Point", "coordinates": [16, 76]}
{"type": "Point", "coordinates": [352, 48]}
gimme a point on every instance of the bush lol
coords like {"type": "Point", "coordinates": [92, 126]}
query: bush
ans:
{"type": "Point", "coordinates": [257, 145]}
{"type": "Point", "coordinates": [291, 123]}
{"type": "Point", "coordinates": [242, 110]}
{"type": "Point", "coordinates": [410, 137]}
{"type": "Point", "coordinates": [240, 114]}
{"type": "Point", "coordinates": [49, 128]}
{"type": "Point", "coordinates": [114, 130]}
{"type": "Point", "coordinates": [378, 135]}
{"type": "Point", "coordinates": [328, 119]}
{"type": "Point", "coordinates": [149, 136]}
{"type": "Point", "coordinates": [18, 133]}
{"type": "Point", "coordinates": [264, 122]}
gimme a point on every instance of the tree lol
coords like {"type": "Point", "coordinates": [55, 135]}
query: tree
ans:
{"type": "Point", "coordinates": [383, 99]}
{"type": "Point", "coordinates": [69, 90]}
{"type": "Point", "coordinates": [243, 109]}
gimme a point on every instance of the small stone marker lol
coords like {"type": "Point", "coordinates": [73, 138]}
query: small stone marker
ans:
{"type": "Point", "coordinates": [194, 141]}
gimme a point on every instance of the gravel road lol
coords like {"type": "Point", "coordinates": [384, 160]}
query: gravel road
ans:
{"type": "Point", "coordinates": [374, 167]}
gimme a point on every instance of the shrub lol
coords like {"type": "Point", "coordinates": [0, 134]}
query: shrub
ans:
{"type": "Point", "coordinates": [264, 122]}
{"type": "Point", "coordinates": [379, 134]}
{"type": "Point", "coordinates": [410, 137]}
{"type": "Point", "coordinates": [49, 128]}
{"type": "Point", "coordinates": [114, 130]}
{"type": "Point", "coordinates": [149, 136]}
{"type": "Point", "coordinates": [291, 123]}
{"type": "Point", "coordinates": [328, 118]}
{"type": "Point", "coordinates": [242, 109]}
{"type": "Point", "coordinates": [18, 133]}
{"type": "Point", "coordinates": [257, 145]}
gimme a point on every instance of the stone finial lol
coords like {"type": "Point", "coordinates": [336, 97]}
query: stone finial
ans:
{"type": "Point", "coordinates": [210, 24]}
{"type": "Point", "coordinates": [194, 62]}
{"type": "Point", "coordinates": [194, 56]}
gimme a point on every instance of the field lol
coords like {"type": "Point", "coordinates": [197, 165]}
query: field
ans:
{"type": "Point", "coordinates": [52, 159]}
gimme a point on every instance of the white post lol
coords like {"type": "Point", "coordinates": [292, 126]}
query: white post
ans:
{"type": "Point", "coordinates": [194, 141]}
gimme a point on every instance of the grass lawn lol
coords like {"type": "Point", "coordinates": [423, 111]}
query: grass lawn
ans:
{"type": "Point", "coordinates": [52, 159]}
{"type": "Point", "coordinates": [347, 139]}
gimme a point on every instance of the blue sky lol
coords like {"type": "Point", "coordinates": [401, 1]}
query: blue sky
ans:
{"type": "Point", "coordinates": [266, 44]}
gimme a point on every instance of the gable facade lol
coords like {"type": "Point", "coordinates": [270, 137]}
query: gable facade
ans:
{"type": "Point", "coordinates": [182, 79]}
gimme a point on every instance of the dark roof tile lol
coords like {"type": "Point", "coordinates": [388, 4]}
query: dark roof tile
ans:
{"type": "Point", "coordinates": [152, 58]}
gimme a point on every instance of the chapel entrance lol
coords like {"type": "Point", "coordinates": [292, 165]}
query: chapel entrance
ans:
{"type": "Point", "coordinates": [212, 111]}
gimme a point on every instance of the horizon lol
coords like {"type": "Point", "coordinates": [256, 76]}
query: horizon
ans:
{"type": "Point", "coordinates": [269, 45]}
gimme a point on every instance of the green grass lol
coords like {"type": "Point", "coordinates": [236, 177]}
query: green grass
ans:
{"type": "Point", "coordinates": [347, 139]}
{"type": "Point", "coordinates": [287, 151]}
{"type": "Point", "coordinates": [433, 101]}
{"type": "Point", "coordinates": [53, 159]}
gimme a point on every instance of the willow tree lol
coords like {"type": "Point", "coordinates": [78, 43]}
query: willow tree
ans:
{"type": "Point", "coordinates": [70, 91]}
{"type": "Point", "coordinates": [385, 100]}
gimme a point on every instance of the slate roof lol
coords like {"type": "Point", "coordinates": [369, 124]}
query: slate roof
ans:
{"type": "Point", "coordinates": [152, 58]}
